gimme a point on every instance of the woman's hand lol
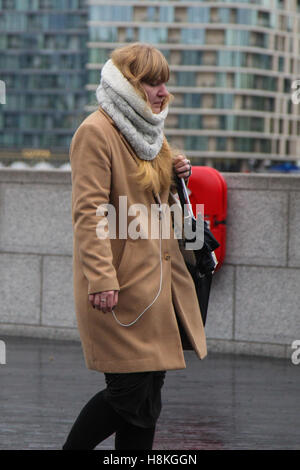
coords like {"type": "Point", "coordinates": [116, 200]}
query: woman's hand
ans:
{"type": "Point", "coordinates": [182, 166]}
{"type": "Point", "coordinates": [105, 300]}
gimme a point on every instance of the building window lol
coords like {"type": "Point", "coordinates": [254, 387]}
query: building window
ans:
{"type": "Point", "coordinates": [261, 61]}
{"type": "Point", "coordinates": [185, 78]}
{"type": "Point", "coordinates": [221, 144]}
{"type": "Point", "coordinates": [246, 16]}
{"type": "Point", "coordinates": [192, 100]}
{"type": "Point", "coordinates": [110, 13]}
{"type": "Point", "coordinates": [258, 39]}
{"type": "Point", "coordinates": [191, 57]}
{"type": "Point", "coordinates": [190, 121]}
{"type": "Point", "coordinates": [153, 35]}
{"type": "Point", "coordinates": [224, 15]}
{"type": "Point", "coordinates": [198, 15]}
{"type": "Point", "coordinates": [235, 37]}
{"type": "Point", "coordinates": [193, 36]}
{"type": "Point", "coordinates": [245, 144]}
{"type": "Point", "coordinates": [231, 59]}
{"type": "Point", "coordinates": [223, 101]}
{"type": "Point", "coordinates": [264, 19]}
{"type": "Point", "coordinates": [196, 143]}
{"type": "Point", "coordinates": [105, 34]}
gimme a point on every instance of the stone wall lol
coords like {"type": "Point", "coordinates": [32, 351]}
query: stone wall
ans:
{"type": "Point", "coordinates": [255, 299]}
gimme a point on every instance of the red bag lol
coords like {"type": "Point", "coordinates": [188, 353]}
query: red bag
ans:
{"type": "Point", "coordinates": [207, 186]}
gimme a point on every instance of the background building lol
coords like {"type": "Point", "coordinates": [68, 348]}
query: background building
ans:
{"type": "Point", "coordinates": [42, 62]}
{"type": "Point", "coordinates": [232, 64]}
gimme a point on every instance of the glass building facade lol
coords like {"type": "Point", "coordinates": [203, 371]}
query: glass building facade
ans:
{"type": "Point", "coordinates": [43, 58]}
{"type": "Point", "coordinates": [232, 64]}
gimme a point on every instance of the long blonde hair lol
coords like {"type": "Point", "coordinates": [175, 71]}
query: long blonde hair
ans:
{"type": "Point", "coordinates": [138, 63]}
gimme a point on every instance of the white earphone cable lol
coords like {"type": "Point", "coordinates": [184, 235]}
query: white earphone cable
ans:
{"type": "Point", "coordinates": [161, 276]}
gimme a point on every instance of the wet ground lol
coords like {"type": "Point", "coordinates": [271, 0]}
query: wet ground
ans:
{"type": "Point", "coordinates": [222, 402]}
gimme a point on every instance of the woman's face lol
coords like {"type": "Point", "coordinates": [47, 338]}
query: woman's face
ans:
{"type": "Point", "coordinates": [156, 93]}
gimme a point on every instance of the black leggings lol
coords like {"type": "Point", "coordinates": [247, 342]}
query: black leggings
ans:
{"type": "Point", "coordinates": [98, 420]}
{"type": "Point", "coordinates": [129, 407]}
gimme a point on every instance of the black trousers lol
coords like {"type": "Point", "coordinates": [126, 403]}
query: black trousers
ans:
{"type": "Point", "coordinates": [129, 406]}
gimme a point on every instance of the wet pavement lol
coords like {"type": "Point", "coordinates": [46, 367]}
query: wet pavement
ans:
{"type": "Point", "coordinates": [223, 402]}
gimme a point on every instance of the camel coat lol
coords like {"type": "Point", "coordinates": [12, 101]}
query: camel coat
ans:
{"type": "Point", "coordinates": [103, 168]}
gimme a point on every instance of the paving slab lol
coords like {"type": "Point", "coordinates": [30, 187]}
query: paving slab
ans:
{"type": "Point", "coordinates": [223, 402]}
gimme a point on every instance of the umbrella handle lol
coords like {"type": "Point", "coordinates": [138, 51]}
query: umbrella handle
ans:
{"type": "Point", "coordinates": [187, 199]}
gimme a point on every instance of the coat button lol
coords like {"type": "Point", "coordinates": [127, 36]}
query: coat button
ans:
{"type": "Point", "coordinates": [167, 256]}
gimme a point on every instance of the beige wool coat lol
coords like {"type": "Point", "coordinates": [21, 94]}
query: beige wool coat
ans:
{"type": "Point", "coordinates": [103, 168]}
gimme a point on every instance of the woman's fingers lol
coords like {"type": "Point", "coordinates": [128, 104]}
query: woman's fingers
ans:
{"type": "Point", "coordinates": [109, 302]}
{"type": "Point", "coordinates": [97, 301]}
{"type": "Point", "coordinates": [104, 301]}
{"type": "Point", "coordinates": [183, 171]}
{"type": "Point", "coordinates": [116, 298]}
{"type": "Point", "coordinates": [182, 166]}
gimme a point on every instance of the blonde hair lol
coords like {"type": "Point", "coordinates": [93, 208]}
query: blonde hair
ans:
{"type": "Point", "coordinates": [139, 63]}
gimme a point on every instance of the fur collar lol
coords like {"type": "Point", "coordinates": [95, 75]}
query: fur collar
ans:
{"type": "Point", "coordinates": [140, 126]}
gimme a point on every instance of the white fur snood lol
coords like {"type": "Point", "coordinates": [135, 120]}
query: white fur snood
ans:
{"type": "Point", "coordinates": [140, 126]}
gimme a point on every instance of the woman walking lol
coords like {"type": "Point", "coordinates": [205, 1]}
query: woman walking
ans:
{"type": "Point", "coordinates": [135, 301]}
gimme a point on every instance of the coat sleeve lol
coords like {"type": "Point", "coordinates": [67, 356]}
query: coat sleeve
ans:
{"type": "Point", "coordinates": [90, 161]}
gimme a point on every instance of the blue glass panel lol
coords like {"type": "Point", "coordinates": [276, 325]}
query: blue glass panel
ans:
{"type": "Point", "coordinates": [246, 16]}
{"type": "Point", "coordinates": [231, 59]}
{"type": "Point", "coordinates": [221, 79]}
{"type": "Point", "coordinates": [196, 143]}
{"type": "Point", "coordinates": [280, 64]}
{"type": "Point", "coordinates": [192, 100]}
{"type": "Point", "coordinates": [153, 35]}
{"type": "Point", "coordinates": [198, 15]}
{"type": "Point", "coordinates": [166, 14]}
{"type": "Point", "coordinates": [224, 101]}
{"type": "Point", "coordinates": [191, 57]}
{"type": "Point", "coordinates": [110, 13]}
{"type": "Point", "coordinates": [189, 121]}
{"type": "Point", "coordinates": [244, 144]}
{"type": "Point", "coordinates": [235, 37]}
{"type": "Point", "coordinates": [193, 36]}
{"type": "Point", "coordinates": [221, 144]}
{"type": "Point", "coordinates": [105, 34]}
{"type": "Point", "coordinates": [224, 15]}
{"type": "Point", "coordinates": [186, 78]}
